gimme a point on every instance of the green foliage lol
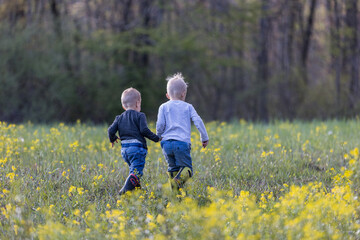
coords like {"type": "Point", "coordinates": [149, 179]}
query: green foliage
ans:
{"type": "Point", "coordinates": [66, 60]}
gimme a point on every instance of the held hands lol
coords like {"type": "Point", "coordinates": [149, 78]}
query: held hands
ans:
{"type": "Point", "coordinates": [205, 143]}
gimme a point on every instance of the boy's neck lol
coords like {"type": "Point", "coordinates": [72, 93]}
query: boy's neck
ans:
{"type": "Point", "coordinates": [177, 99]}
{"type": "Point", "coordinates": [131, 109]}
{"type": "Point", "coordinates": [181, 98]}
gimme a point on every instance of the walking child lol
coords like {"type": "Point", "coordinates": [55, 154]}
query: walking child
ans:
{"type": "Point", "coordinates": [174, 127]}
{"type": "Point", "coordinates": [132, 128]}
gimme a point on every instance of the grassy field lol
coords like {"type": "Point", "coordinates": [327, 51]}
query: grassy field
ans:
{"type": "Point", "coordinates": [254, 181]}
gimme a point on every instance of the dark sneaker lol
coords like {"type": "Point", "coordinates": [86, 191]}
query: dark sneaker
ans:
{"type": "Point", "coordinates": [131, 183]}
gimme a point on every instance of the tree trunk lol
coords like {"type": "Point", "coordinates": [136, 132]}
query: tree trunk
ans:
{"type": "Point", "coordinates": [263, 64]}
{"type": "Point", "coordinates": [285, 87]}
{"type": "Point", "coordinates": [353, 50]}
{"type": "Point", "coordinates": [56, 18]}
{"type": "Point", "coordinates": [306, 39]}
{"type": "Point", "coordinates": [335, 47]}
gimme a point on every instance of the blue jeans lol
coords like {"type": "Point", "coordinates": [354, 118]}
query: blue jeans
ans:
{"type": "Point", "coordinates": [134, 156]}
{"type": "Point", "coordinates": [177, 154]}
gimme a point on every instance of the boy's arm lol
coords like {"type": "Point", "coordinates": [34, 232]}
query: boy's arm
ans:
{"type": "Point", "coordinates": [199, 124]}
{"type": "Point", "coordinates": [160, 123]}
{"type": "Point", "coordinates": [112, 131]}
{"type": "Point", "coordinates": [145, 131]}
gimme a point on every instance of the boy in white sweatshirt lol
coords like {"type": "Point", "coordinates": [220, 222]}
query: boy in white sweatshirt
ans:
{"type": "Point", "coordinates": [174, 127]}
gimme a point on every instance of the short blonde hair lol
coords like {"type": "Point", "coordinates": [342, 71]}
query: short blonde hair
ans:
{"type": "Point", "coordinates": [176, 85]}
{"type": "Point", "coordinates": [129, 97]}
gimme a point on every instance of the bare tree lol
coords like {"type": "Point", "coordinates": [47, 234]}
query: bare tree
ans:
{"type": "Point", "coordinates": [334, 11]}
{"type": "Point", "coordinates": [262, 60]}
{"type": "Point", "coordinates": [352, 45]}
{"type": "Point", "coordinates": [306, 38]}
{"type": "Point", "coordinates": [286, 27]}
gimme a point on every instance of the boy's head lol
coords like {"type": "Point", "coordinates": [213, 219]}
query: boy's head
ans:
{"type": "Point", "coordinates": [131, 99]}
{"type": "Point", "coordinates": [176, 87]}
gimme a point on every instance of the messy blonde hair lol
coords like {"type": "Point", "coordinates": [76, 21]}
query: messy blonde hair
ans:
{"type": "Point", "coordinates": [176, 85]}
{"type": "Point", "coordinates": [129, 97]}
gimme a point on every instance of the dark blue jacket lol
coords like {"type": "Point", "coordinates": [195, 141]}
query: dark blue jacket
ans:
{"type": "Point", "coordinates": [131, 125]}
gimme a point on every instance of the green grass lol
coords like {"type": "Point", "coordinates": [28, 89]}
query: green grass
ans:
{"type": "Point", "coordinates": [50, 160]}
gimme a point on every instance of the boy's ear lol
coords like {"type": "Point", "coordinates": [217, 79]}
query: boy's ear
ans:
{"type": "Point", "coordinates": [183, 95]}
{"type": "Point", "coordinates": [167, 95]}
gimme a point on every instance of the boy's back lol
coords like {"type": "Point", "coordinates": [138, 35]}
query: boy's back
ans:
{"type": "Point", "coordinates": [132, 125]}
{"type": "Point", "coordinates": [174, 121]}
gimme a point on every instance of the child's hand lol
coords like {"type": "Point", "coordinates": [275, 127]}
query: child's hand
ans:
{"type": "Point", "coordinates": [205, 143]}
{"type": "Point", "coordinates": [113, 143]}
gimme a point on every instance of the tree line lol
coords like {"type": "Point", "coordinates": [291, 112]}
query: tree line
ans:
{"type": "Point", "coordinates": [63, 60]}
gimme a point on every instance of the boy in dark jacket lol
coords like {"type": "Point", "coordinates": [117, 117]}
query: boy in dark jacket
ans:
{"type": "Point", "coordinates": [132, 128]}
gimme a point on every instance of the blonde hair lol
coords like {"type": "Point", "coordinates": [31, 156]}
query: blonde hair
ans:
{"type": "Point", "coordinates": [176, 85]}
{"type": "Point", "coordinates": [129, 97]}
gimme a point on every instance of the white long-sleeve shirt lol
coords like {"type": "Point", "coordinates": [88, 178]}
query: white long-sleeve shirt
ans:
{"type": "Point", "coordinates": [174, 121]}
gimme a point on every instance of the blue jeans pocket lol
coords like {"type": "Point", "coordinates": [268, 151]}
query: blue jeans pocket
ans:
{"type": "Point", "coordinates": [135, 158]}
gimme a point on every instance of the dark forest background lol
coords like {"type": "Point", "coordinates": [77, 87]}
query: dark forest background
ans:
{"type": "Point", "coordinates": [63, 60]}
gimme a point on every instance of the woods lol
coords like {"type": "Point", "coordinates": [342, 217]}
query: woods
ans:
{"type": "Point", "coordinates": [252, 59]}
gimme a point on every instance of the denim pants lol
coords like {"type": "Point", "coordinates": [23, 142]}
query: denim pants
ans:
{"type": "Point", "coordinates": [177, 154]}
{"type": "Point", "coordinates": [134, 155]}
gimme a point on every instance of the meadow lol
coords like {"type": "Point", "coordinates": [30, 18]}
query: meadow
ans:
{"type": "Point", "coordinates": [284, 180]}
